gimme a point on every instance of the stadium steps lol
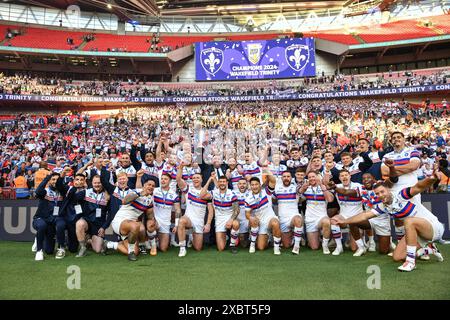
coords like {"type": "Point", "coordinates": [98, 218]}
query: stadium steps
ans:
{"type": "Point", "coordinates": [438, 30]}
{"type": "Point", "coordinates": [358, 38]}
{"type": "Point", "coordinates": [82, 45]}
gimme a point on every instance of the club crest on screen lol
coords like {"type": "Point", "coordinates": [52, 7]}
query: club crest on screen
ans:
{"type": "Point", "coordinates": [211, 60]}
{"type": "Point", "coordinates": [297, 56]}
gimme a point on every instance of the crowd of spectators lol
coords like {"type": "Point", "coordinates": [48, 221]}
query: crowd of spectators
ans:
{"type": "Point", "coordinates": [34, 143]}
{"type": "Point", "coordinates": [29, 84]}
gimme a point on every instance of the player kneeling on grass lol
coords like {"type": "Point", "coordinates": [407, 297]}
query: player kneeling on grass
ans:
{"type": "Point", "coordinates": [164, 200]}
{"type": "Point", "coordinates": [421, 226]}
{"type": "Point", "coordinates": [317, 196]}
{"type": "Point", "coordinates": [194, 216]}
{"type": "Point", "coordinates": [290, 218]}
{"type": "Point", "coordinates": [47, 217]}
{"type": "Point", "coordinates": [95, 217]}
{"type": "Point", "coordinates": [226, 208]}
{"type": "Point", "coordinates": [261, 216]}
{"type": "Point", "coordinates": [242, 193]}
{"type": "Point", "coordinates": [126, 221]}
{"type": "Point", "coordinates": [381, 224]}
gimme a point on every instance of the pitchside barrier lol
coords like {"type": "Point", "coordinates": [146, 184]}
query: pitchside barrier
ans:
{"type": "Point", "coordinates": [16, 216]}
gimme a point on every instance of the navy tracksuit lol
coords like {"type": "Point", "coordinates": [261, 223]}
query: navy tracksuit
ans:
{"type": "Point", "coordinates": [91, 201]}
{"type": "Point", "coordinates": [69, 213]}
{"type": "Point", "coordinates": [46, 221]}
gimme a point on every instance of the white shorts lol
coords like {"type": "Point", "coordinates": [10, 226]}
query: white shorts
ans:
{"type": "Point", "coordinates": [163, 225]}
{"type": "Point", "coordinates": [221, 221]}
{"type": "Point", "coordinates": [312, 223]}
{"type": "Point", "coordinates": [438, 232]}
{"type": "Point", "coordinates": [197, 223]}
{"type": "Point", "coordinates": [264, 223]}
{"type": "Point", "coordinates": [115, 224]}
{"type": "Point", "coordinates": [285, 222]}
{"type": "Point", "coordinates": [381, 226]}
{"type": "Point", "coordinates": [243, 225]}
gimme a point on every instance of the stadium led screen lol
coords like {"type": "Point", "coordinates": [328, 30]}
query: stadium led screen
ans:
{"type": "Point", "coordinates": [255, 59]}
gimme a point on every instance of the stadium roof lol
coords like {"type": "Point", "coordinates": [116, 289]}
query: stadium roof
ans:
{"type": "Point", "coordinates": [129, 10]}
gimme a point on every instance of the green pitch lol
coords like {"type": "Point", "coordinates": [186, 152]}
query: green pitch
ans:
{"type": "Point", "coordinates": [213, 275]}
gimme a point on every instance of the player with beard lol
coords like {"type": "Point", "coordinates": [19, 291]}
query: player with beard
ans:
{"type": "Point", "coordinates": [226, 208]}
{"type": "Point", "coordinates": [291, 222]}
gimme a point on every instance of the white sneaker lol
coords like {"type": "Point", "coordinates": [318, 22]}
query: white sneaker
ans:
{"type": "Point", "coordinates": [60, 253]}
{"type": "Point", "coordinates": [39, 256]}
{"type": "Point", "coordinates": [359, 252]}
{"type": "Point", "coordinates": [34, 246]}
{"type": "Point", "coordinates": [372, 246]}
{"type": "Point", "coordinates": [338, 251]}
{"type": "Point", "coordinates": [390, 254]}
{"type": "Point", "coordinates": [295, 250]}
{"type": "Point", "coordinates": [252, 248]}
{"type": "Point", "coordinates": [325, 250]}
{"type": "Point", "coordinates": [173, 243]}
{"type": "Point", "coordinates": [436, 253]}
{"type": "Point", "coordinates": [182, 252]}
{"type": "Point", "coordinates": [407, 266]}
{"type": "Point", "coordinates": [276, 251]}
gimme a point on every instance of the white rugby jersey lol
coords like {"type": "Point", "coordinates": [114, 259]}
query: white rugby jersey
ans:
{"type": "Point", "coordinates": [150, 170]}
{"type": "Point", "coordinates": [401, 207]}
{"type": "Point", "coordinates": [223, 202]}
{"type": "Point", "coordinates": [253, 170]}
{"type": "Point", "coordinates": [163, 201]}
{"type": "Point", "coordinates": [130, 171]}
{"type": "Point", "coordinates": [241, 196]}
{"type": "Point", "coordinates": [369, 198]}
{"type": "Point", "coordinates": [260, 204]}
{"type": "Point", "coordinates": [316, 205]}
{"type": "Point", "coordinates": [350, 206]}
{"type": "Point", "coordinates": [134, 209]}
{"type": "Point", "coordinates": [195, 206]}
{"type": "Point", "coordinates": [121, 194]}
{"type": "Point", "coordinates": [402, 158]}
{"type": "Point", "coordinates": [235, 177]}
{"type": "Point", "coordinates": [277, 171]}
{"type": "Point", "coordinates": [375, 157]}
{"type": "Point", "coordinates": [287, 200]}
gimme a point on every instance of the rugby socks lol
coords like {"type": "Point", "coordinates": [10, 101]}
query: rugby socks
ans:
{"type": "Point", "coordinates": [182, 244]}
{"type": "Point", "coordinates": [325, 242]}
{"type": "Point", "coordinates": [130, 248]}
{"type": "Point", "coordinates": [337, 236]}
{"type": "Point", "coordinates": [83, 244]}
{"type": "Point", "coordinates": [234, 236]}
{"type": "Point", "coordinates": [112, 245]}
{"type": "Point", "coordinates": [411, 254]}
{"type": "Point", "coordinates": [360, 244]}
{"type": "Point", "coordinates": [253, 234]}
{"type": "Point", "coordinates": [152, 238]}
{"type": "Point", "coordinates": [400, 232]}
{"type": "Point", "coordinates": [298, 233]}
{"type": "Point", "coordinates": [276, 242]}
{"type": "Point", "coordinates": [172, 234]}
